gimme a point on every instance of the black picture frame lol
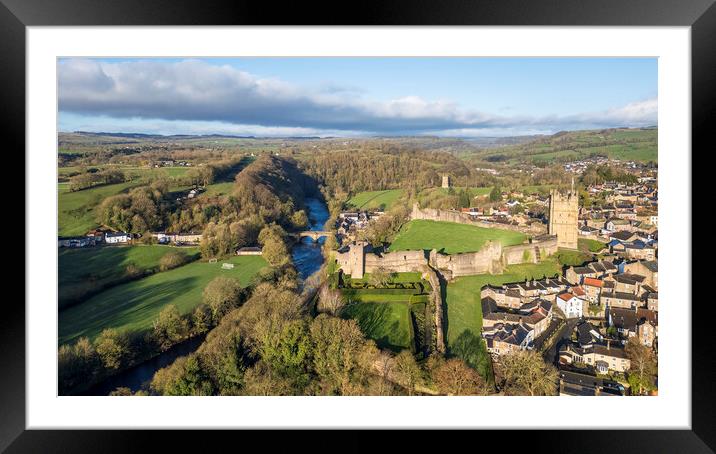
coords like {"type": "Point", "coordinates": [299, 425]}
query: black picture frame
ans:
{"type": "Point", "coordinates": [700, 15]}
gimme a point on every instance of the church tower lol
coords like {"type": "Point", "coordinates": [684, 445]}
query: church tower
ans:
{"type": "Point", "coordinates": [563, 216]}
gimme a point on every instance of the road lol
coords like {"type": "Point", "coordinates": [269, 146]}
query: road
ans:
{"type": "Point", "coordinates": [550, 356]}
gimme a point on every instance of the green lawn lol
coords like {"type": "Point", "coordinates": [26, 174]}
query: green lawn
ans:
{"type": "Point", "coordinates": [135, 305]}
{"type": "Point", "coordinates": [76, 210]}
{"type": "Point", "coordinates": [369, 200]}
{"type": "Point", "coordinates": [464, 312]}
{"type": "Point", "coordinates": [452, 238]}
{"type": "Point", "coordinates": [385, 322]}
{"type": "Point", "coordinates": [572, 258]}
{"type": "Point", "coordinates": [86, 269]}
{"type": "Point", "coordinates": [587, 244]}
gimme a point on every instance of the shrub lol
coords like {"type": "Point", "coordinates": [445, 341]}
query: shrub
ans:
{"type": "Point", "coordinates": [171, 260]}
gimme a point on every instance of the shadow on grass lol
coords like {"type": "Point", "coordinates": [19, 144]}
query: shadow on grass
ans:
{"type": "Point", "coordinates": [132, 307]}
{"type": "Point", "coordinates": [375, 322]}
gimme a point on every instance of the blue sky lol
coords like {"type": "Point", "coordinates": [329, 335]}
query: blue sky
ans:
{"type": "Point", "coordinates": [356, 96]}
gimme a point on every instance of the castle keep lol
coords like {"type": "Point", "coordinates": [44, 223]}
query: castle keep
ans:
{"type": "Point", "coordinates": [563, 213]}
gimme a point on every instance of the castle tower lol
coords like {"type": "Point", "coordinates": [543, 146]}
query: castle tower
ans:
{"type": "Point", "coordinates": [356, 260]}
{"type": "Point", "coordinates": [446, 181]}
{"type": "Point", "coordinates": [563, 217]}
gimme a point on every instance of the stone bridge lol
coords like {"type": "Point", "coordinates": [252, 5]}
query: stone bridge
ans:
{"type": "Point", "coordinates": [313, 234]}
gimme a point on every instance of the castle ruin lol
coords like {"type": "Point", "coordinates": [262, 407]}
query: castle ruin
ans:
{"type": "Point", "coordinates": [563, 217]}
{"type": "Point", "coordinates": [446, 181]}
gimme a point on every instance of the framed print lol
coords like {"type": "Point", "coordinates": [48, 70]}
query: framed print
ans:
{"type": "Point", "coordinates": [447, 218]}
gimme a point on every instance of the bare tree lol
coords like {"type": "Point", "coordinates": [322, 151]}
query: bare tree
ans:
{"type": "Point", "coordinates": [526, 373]}
{"type": "Point", "coordinates": [643, 365]}
{"type": "Point", "coordinates": [330, 300]}
{"type": "Point", "coordinates": [454, 378]}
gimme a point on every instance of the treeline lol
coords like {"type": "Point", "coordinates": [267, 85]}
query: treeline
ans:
{"type": "Point", "coordinates": [270, 192]}
{"type": "Point", "coordinates": [379, 166]}
{"type": "Point", "coordinates": [93, 177]}
{"type": "Point", "coordinates": [595, 174]}
{"type": "Point", "coordinates": [142, 209]}
{"type": "Point", "coordinates": [272, 346]}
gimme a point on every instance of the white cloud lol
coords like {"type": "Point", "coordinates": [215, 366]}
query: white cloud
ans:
{"type": "Point", "coordinates": [227, 98]}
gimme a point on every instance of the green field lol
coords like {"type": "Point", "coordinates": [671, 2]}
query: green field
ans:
{"type": "Point", "coordinates": [387, 323]}
{"type": "Point", "coordinates": [624, 144]}
{"type": "Point", "coordinates": [452, 238]}
{"type": "Point", "coordinates": [370, 200]}
{"type": "Point", "coordinates": [464, 312]}
{"type": "Point", "coordinates": [76, 210]}
{"type": "Point", "coordinates": [135, 305]}
{"type": "Point", "coordinates": [86, 269]}
{"type": "Point", "coordinates": [218, 189]}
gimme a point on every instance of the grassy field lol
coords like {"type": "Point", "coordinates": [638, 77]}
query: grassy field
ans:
{"type": "Point", "coordinates": [135, 305]}
{"type": "Point", "coordinates": [370, 200]}
{"type": "Point", "coordinates": [76, 210]}
{"type": "Point", "coordinates": [464, 312]}
{"type": "Point", "coordinates": [388, 323]}
{"type": "Point", "coordinates": [217, 189]}
{"type": "Point", "coordinates": [451, 237]}
{"type": "Point", "coordinates": [87, 269]}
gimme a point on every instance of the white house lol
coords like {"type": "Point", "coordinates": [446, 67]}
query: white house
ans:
{"type": "Point", "coordinates": [115, 238]}
{"type": "Point", "coordinates": [570, 305]}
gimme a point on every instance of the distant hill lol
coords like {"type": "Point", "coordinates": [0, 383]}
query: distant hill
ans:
{"type": "Point", "coordinates": [637, 144]}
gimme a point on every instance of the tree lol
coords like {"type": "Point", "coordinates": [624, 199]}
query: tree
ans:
{"type": "Point", "coordinates": [330, 300]}
{"type": "Point", "coordinates": [112, 348]}
{"type": "Point", "coordinates": [642, 372]}
{"type": "Point", "coordinates": [453, 377]}
{"type": "Point", "coordinates": [380, 277]}
{"type": "Point", "coordinates": [183, 378]}
{"type": "Point", "coordinates": [275, 251]}
{"type": "Point", "coordinates": [525, 373]}
{"type": "Point", "coordinates": [221, 295]}
{"type": "Point", "coordinates": [299, 219]}
{"type": "Point", "coordinates": [201, 319]}
{"type": "Point", "coordinates": [77, 364]}
{"type": "Point", "coordinates": [337, 346]}
{"type": "Point", "coordinates": [170, 327]}
{"type": "Point", "coordinates": [496, 194]}
{"type": "Point", "coordinates": [408, 371]}
{"type": "Point", "coordinates": [288, 352]}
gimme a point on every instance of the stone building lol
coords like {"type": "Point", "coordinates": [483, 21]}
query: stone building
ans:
{"type": "Point", "coordinates": [563, 214]}
{"type": "Point", "coordinates": [446, 181]}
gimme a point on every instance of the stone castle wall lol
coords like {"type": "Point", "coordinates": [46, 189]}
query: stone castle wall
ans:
{"type": "Point", "coordinates": [398, 261]}
{"type": "Point", "coordinates": [492, 258]}
{"type": "Point", "coordinates": [458, 217]}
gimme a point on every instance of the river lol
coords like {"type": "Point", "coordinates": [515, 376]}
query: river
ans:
{"type": "Point", "coordinates": [307, 258]}
{"type": "Point", "coordinates": [306, 254]}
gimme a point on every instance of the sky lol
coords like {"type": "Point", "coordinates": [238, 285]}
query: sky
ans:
{"type": "Point", "coordinates": [349, 97]}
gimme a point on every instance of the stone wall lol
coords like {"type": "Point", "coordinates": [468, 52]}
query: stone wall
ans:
{"type": "Point", "coordinates": [398, 261]}
{"type": "Point", "coordinates": [458, 217]}
{"type": "Point", "coordinates": [486, 260]}
{"type": "Point", "coordinates": [492, 258]}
